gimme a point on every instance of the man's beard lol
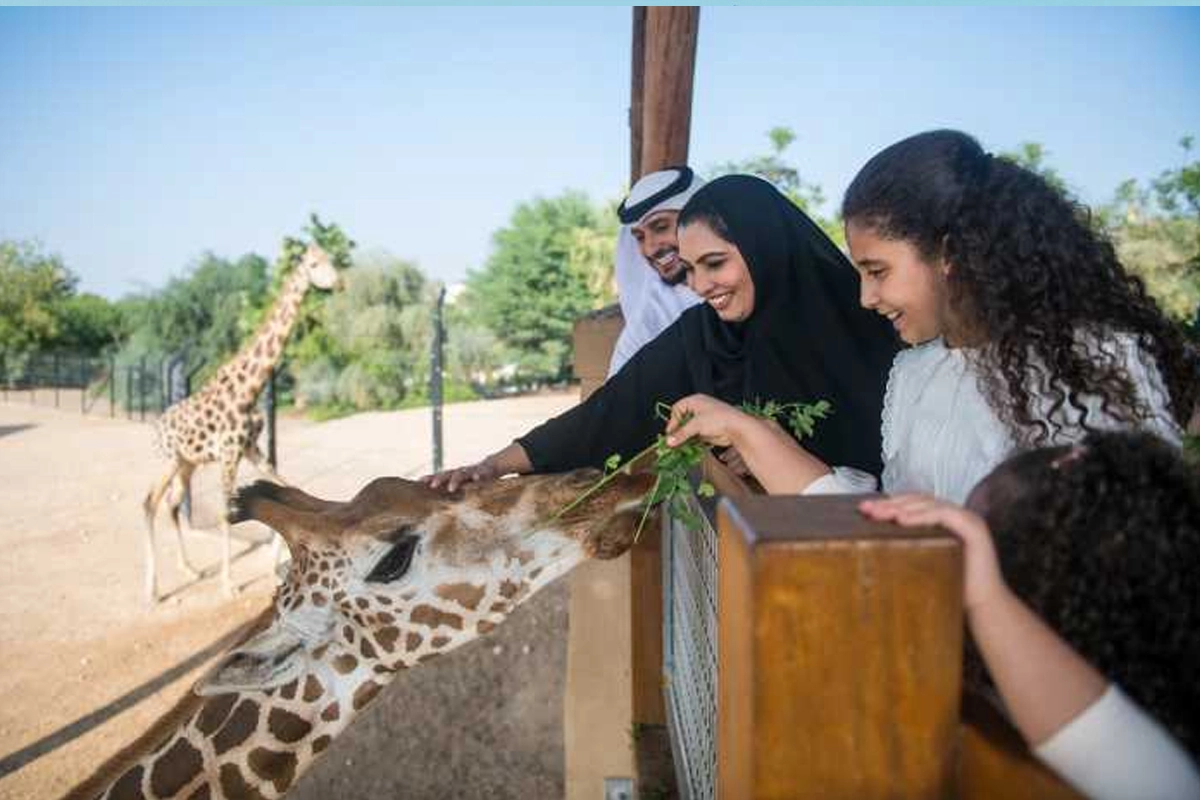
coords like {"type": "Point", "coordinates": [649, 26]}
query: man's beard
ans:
{"type": "Point", "coordinates": [678, 277]}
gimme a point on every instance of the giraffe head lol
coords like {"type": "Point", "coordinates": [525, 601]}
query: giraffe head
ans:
{"type": "Point", "coordinates": [318, 267]}
{"type": "Point", "coordinates": [402, 573]}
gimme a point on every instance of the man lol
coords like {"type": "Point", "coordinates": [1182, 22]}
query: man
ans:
{"type": "Point", "coordinates": [650, 276]}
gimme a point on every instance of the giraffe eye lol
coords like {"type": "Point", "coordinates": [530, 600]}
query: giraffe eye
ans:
{"type": "Point", "coordinates": [396, 562]}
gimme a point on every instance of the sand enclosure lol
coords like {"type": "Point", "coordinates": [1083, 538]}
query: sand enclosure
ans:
{"type": "Point", "coordinates": [87, 666]}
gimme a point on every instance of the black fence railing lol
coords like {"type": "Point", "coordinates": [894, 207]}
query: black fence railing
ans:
{"type": "Point", "coordinates": [135, 389]}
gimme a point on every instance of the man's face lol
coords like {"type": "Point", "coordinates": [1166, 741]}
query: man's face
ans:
{"type": "Point", "coordinates": [658, 240]}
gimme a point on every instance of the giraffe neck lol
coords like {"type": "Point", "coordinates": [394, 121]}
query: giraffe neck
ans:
{"type": "Point", "coordinates": [251, 367]}
{"type": "Point", "coordinates": [257, 743]}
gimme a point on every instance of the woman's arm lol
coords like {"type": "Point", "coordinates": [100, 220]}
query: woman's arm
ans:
{"type": "Point", "coordinates": [775, 459]}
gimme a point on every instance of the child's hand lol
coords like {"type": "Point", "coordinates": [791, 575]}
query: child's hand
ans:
{"type": "Point", "coordinates": [706, 418]}
{"type": "Point", "coordinates": [983, 579]}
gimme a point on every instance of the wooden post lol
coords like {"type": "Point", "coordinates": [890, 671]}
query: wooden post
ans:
{"type": "Point", "coordinates": [669, 65]}
{"type": "Point", "coordinates": [839, 653]}
{"type": "Point", "coordinates": [636, 73]}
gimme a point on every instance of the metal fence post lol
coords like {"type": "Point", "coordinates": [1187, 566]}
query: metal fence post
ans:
{"type": "Point", "coordinates": [269, 397]}
{"type": "Point", "coordinates": [55, 377]}
{"type": "Point", "coordinates": [435, 378]}
{"type": "Point", "coordinates": [141, 382]}
{"type": "Point", "coordinates": [112, 386]}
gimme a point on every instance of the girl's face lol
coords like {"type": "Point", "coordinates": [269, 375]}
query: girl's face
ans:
{"type": "Point", "coordinates": [717, 272]}
{"type": "Point", "coordinates": [899, 284]}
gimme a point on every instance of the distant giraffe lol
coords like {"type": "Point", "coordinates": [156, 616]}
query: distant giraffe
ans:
{"type": "Point", "coordinates": [220, 423]}
{"type": "Point", "coordinates": [377, 585]}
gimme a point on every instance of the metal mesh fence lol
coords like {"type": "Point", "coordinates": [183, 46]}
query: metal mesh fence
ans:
{"type": "Point", "coordinates": [690, 651]}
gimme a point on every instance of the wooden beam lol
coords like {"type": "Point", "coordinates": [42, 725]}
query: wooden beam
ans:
{"type": "Point", "coordinates": [637, 73]}
{"type": "Point", "coordinates": [669, 64]}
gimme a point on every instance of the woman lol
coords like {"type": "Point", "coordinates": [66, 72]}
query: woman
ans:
{"type": "Point", "coordinates": [1026, 329]}
{"type": "Point", "coordinates": [780, 322]}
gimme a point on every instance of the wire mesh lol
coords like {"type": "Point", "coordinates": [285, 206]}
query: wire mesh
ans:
{"type": "Point", "coordinates": [690, 652]}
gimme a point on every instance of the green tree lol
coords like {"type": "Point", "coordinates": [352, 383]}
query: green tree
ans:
{"type": "Point", "coordinates": [774, 167]}
{"type": "Point", "coordinates": [530, 292]}
{"type": "Point", "coordinates": [368, 353]}
{"type": "Point", "coordinates": [1033, 157]}
{"type": "Point", "coordinates": [32, 285]}
{"type": "Point", "coordinates": [1156, 231]}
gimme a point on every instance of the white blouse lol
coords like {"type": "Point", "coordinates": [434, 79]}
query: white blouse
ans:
{"type": "Point", "coordinates": [940, 435]}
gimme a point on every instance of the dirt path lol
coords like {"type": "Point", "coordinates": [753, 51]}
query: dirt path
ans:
{"type": "Point", "coordinates": [87, 666]}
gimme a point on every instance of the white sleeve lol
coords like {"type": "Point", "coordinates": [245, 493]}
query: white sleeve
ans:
{"type": "Point", "coordinates": [842, 480]}
{"type": "Point", "coordinates": [1115, 751]}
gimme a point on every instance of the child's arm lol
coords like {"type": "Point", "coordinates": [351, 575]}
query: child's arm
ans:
{"type": "Point", "coordinates": [1081, 726]}
{"type": "Point", "coordinates": [775, 459]}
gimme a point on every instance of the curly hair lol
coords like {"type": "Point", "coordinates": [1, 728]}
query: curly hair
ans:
{"type": "Point", "coordinates": [1102, 540]}
{"type": "Point", "coordinates": [1029, 274]}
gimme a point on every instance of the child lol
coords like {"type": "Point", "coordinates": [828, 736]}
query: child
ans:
{"type": "Point", "coordinates": [1026, 330]}
{"type": "Point", "coordinates": [1097, 543]}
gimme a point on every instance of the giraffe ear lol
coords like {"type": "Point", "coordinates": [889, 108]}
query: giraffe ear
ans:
{"type": "Point", "coordinates": [270, 659]}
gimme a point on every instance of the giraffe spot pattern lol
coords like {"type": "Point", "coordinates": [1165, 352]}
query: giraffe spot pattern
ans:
{"type": "Point", "coordinates": [279, 768]}
{"type": "Point", "coordinates": [237, 728]}
{"type": "Point", "coordinates": [439, 641]}
{"type": "Point", "coordinates": [386, 637]}
{"type": "Point", "coordinates": [175, 769]}
{"type": "Point", "coordinates": [312, 689]}
{"type": "Point", "coordinates": [435, 618]}
{"type": "Point", "coordinates": [286, 726]}
{"type": "Point", "coordinates": [288, 691]}
{"type": "Point", "coordinates": [365, 693]}
{"type": "Point", "coordinates": [331, 712]}
{"type": "Point", "coordinates": [368, 652]}
{"type": "Point", "coordinates": [412, 641]}
{"type": "Point", "coordinates": [320, 743]}
{"type": "Point", "coordinates": [345, 663]}
{"type": "Point", "coordinates": [214, 713]}
{"type": "Point", "coordinates": [129, 787]}
{"type": "Point", "coordinates": [234, 785]}
{"type": "Point", "coordinates": [203, 793]}
{"type": "Point", "coordinates": [485, 627]}
{"type": "Point", "coordinates": [466, 595]}
{"type": "Point", "coordinates": [508, 589]}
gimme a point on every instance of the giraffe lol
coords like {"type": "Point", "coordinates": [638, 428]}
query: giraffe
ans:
{"type": "Point", "coordinates": [220, 423]}
{"type": "Point", "coordinates": [377, 585]}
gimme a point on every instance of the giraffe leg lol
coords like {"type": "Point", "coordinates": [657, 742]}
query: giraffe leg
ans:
{"type": "Point", "coordinates": [180, 486]}
{"type": "Point", "coordinates": [229, 466]}
{"type": "Point", "coordinates": [150, 507]}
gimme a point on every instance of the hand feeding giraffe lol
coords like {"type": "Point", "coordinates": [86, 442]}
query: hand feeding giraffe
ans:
{"type": "Point", "coordinates": [220, 422]}
{"type": "Point", "coordinates": [394, 577]}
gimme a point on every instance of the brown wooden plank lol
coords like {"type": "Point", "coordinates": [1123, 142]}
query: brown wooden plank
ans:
{"type": "Point", "coordinates": [854, 666]}
{"type": "Point", "coordinates": [670, 60]}
{"type": "Point", "coordinates": [646, 616]}
{"type": "Point", "coordinates": [637, 74]}
{"type": "Point", "coordinates": [995, 764]}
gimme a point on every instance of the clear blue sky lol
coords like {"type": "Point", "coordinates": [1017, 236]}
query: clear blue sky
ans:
{"type": "Point", "coordinates": [132, 140]}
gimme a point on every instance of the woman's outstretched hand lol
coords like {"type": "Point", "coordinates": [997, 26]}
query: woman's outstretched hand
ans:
{"type": "Point", "coordinates": [451, 479]}
{"type": "Point", "coordinates": [983, 580]}
{"type": "Point", "coordinates": [706, 418]}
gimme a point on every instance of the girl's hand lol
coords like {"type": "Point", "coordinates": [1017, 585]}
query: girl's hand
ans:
{"type": "Point", "coordinates": [983, 579]}
{"type": "Point", "coordinates": [705, 417]}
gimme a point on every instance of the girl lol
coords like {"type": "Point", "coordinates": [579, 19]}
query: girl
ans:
{"type": "Point", "coordinates": [1091, 591]}
{"type": "Point", "coordinates": [1025, 328]}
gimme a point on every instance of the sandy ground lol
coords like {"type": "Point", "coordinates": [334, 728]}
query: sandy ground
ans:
{"type": "Point", "coordinates": [86, 666]}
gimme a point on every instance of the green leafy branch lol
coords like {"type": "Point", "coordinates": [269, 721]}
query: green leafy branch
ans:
{"type": "Point", "coordinates": [673, 465]}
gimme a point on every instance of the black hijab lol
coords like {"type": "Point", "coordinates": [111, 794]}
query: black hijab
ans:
{"type": "Point", "coordinates": [807, 338]}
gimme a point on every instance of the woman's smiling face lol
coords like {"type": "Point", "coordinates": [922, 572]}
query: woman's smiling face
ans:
{"type": "Point", "coordinates": [717, 271]}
